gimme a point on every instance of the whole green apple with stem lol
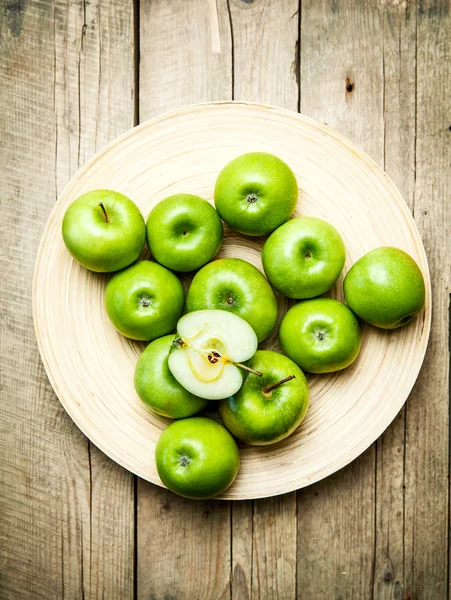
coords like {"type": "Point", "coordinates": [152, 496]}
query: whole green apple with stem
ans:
{"type": "Point", "coordinates": [184, 232]}
{"type": "Point", "coordinates": [237, 286]}
{"type": "Point", "coordinates": [209, 351]}
{"type": "Point", "coordinates": [104, 231]}
{"type": "Point", "coordinates": [320, 335]}
{"type": "Point", "coordinates": [304, 257]}
{"type": "Point", "coordinates": [267, 409]}
{"type": "Point", "coordinates": [158, 388]}
{"type": "Point", "coordinates": [385, 288]}
{"type": "Point", "coordinates": [255, 193]}
{"type": "Point", "coordinates": [197, 458]}
{"type": "Point", "coordinates": [144, 301]}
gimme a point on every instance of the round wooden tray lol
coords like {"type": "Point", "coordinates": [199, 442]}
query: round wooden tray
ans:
{"type": "Point", "coordinates": [90, 365]}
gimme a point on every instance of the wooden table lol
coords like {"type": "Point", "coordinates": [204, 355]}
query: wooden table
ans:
{"type": "Point", "coordinates": [75, 74]}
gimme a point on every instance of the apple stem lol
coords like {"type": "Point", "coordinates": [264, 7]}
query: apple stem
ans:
{"type": "Point", "coordinates": [246, 368]}
{"type": "Point", "coordinates": [104, 212]}
{"type": "Point", "coordinates": [272, 387]}
{"type": "Point", "coordinates": [178, 343]}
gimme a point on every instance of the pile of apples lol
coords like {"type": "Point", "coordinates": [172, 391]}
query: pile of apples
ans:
{"type": "Point", "coordinates": [262, 396]}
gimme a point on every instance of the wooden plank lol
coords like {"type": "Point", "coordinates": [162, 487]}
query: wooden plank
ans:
{"type": "Point", "coordinates": [44, 459]}
{"type": "Point", "coordinates": [183, 546]}
{"type": "Point", "coordinates": [94, 67]}
{"type": "Point", "coordinates": [398, 23]}
{"type": "Point", "coordinates": [274, 548]}
{"type": "Point", "coordinates": [185, 54]}
{"type": "Point", "coordinates": [341, 70]}
{"type": "Point", "coordinates": [66, 510]}
{"type": "Point", "coordinates": [266, 51]}
{"type": "Point", "coordinates": [341, 84]}
{"type": "Point", "coordinates": [335, 533]}
{"type": "Point", "coordinates": [242, 549]}
{"type": "Point", "coordinates": [427, 416]}
{"type": "Point", "coordinates": [266, 63]}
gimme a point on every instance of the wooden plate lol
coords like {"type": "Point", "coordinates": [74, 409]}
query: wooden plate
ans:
{"type": "Point", "coordinates": [91, 366]}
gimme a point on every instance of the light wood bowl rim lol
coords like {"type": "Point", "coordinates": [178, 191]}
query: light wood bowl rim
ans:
{"type": "Point", "coordinates": [421, 349]}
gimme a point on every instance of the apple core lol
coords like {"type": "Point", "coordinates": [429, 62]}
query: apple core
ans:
{"type": "Point", "coordinates": [208, 353]}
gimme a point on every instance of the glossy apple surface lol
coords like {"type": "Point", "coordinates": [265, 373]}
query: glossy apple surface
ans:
{"type": "Point", "coordinates": [304, 257]}
{"type": "Point", "coordinates": [157, 387]}
{"type": "Point", "coordinates": [184, 232]}
{"type": "Point", "coordinates": [255, 193]}
{"type": "Point", "coordinates": [104, 231]}
{"type": "Point", "coordinates": [144, 301]}
{"type": "Point", "coordinates": [236, 286]}
{"type": "Point", "coordinates": [197, 458]}
{"type": "Point", "coordinates": [385, 288]}
{"type": "Point", "coordinates": [261, 414]}
{"type": "Point", "coordinates": [320, 335]}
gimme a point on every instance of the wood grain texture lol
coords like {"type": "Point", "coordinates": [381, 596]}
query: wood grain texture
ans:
{"type": "Point", "coordinates": [242, 526]}
{"type": "Point", "coordinates": [426, 537]}
{"type": "Point", "coordinates": [184, 547]}
{"type": "Point", "coordinates": [265, 69]}
{"type": "Point", "coordinates": [44, 459]}
{"type": "Point", "coordinates": [185, 57]}
{"type": "Point", "coordinates": [67, 510]}
{"type": "Point", "coordinates": [335, 534]}
{"type": "Point", "coordinates": [379, 528]}
{"type": "Point", "coordinates": [265, 51]}
{"type": "Point", "coordinates": [407, 536]}
{"type": "Point", "coordinates": [185, 54]}
{"type": "Point", "coordinates": [274, 548]}
{"type": "Point", "coordinates": [94, 87]}
{"type": "Point", "coordinates": [398, 31]}
{"type": "Point", "coordinates": [341, 79]}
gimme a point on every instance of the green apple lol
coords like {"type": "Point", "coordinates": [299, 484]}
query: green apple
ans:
{"type": "Point", "coordinates": [184, 232]}
{"type": "Point", "coordinates": [104, 231]}
{"type": "Point", "coordinates": [144, 301]}
{"type": "Point", "coordinates": [208, 353]}
{"type": "Point", "coordinates": [304, 257]}
{"type": "Point", "coordinates": [197, 458]}
{"type": "Point", "coordinates": [157, 387]}
{"type": "Point", "coordinates": [255, 193]}
{"type": "Point", "coordinates": [237, 286]}
{"type": "Point", "coordinates": [267, 409]}
{"type": "Point", "coordinates": [320, 335]}
{"type": "Point", "coordinates": [385, 288]}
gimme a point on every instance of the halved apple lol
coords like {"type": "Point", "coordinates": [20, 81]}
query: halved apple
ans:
{"type": "Point", "coordinates": [208, 351]}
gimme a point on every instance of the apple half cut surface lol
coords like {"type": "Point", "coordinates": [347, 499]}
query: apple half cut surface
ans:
{"type": "Point", "coordinates": [208, 352]}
